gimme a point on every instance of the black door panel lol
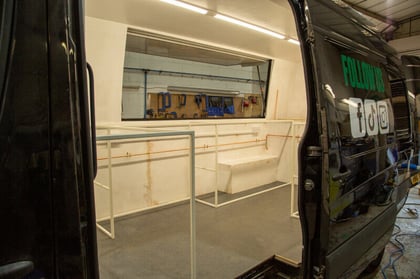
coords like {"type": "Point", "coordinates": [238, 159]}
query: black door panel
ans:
{"type": "Point", "coordinates": [351, 206]}
{"type": "Point", "coordinates": [25, 183]}
{"type": "Point", "coordinates": [46, 169]}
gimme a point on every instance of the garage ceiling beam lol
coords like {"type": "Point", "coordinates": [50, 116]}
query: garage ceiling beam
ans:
{"type": "Point", "coordinates": [373, 15]}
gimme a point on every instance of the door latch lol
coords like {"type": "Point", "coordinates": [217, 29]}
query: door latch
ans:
{"type": "Point", "coordinates": [314, 151]}
{"type": "Point", "coordinates": [309, 185]}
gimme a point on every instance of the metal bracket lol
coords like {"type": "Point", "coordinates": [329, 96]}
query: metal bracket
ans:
{"type": "Point", "coordinates": [319, 272]}
{"type": "Point", "coordinates": [314, 151]}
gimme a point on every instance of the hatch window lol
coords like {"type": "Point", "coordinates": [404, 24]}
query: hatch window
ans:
{"type": "Point", "coordinates": [168, 79]}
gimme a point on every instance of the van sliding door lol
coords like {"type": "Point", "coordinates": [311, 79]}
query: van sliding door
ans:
{"type": "Point", "coordinates": [46, 203]}
{"type": "Point", "coordinates": [25, 183]}
{"type": "Point", "coordinates": [347, 205]}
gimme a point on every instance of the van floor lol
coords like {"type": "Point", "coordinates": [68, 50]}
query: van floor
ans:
{"type": "Point", "coordinates": [230, 239]}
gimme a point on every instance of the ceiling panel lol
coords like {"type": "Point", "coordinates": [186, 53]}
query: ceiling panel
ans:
{"type": "Point", "coordinates": [154, 15]}
{"type": "Point", "coordinates": [403, 14]}
{"type": "Point", "coordinates": [397, 10]}
{"type": "Point", "coordinates": [405, 9]}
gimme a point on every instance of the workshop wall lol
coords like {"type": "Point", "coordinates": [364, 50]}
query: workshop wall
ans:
{"type": "Point", "coordinates": [248, 103]}
{"type": "Point", "coordinates": [157, 83]}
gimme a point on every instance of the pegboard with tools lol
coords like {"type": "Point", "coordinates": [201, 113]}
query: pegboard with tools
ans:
{"type": "Point", "coordinates": [180, 105]}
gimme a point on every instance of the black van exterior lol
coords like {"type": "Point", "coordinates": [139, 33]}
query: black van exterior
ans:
{"type": "Point", "coordinates": [46, 164]}
{"type": "Point", "coordinates": [351, 183]}
{"type": "Point", "coordinates": [358, 131]}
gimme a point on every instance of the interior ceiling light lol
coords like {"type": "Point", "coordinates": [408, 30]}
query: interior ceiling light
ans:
{"type": "Point", "coordinates": [293, 41]}
{"type": "Point", "coordinates": [249, 26]}
{"type": "Point", "coordinates": [186, 6]}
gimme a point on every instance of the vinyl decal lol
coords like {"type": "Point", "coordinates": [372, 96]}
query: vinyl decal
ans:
{"type": "Point", "coordinates": [368, 117]}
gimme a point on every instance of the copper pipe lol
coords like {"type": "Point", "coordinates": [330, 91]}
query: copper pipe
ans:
{"type": "Point", "coordinates": [205, 146]}
{"type": "Point", "coordinates": [276, 135]}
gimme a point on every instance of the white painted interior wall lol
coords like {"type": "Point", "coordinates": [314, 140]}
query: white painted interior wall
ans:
{"type": "Point", "coordinates": [287, 97]}
{"type": "Point", "coordinates": [138, 186]}
{"type": "Point", "coordinates": [141, 180]}
{"type": "Point", "coordinates": [105, 48]}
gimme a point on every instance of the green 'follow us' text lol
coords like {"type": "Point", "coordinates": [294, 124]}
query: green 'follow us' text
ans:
{"type": "Point", "coordinates": [362, 75]}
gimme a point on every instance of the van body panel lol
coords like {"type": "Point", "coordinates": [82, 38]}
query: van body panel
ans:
{"type": "Point", "coordinates": [46, 168]}
{"type": "Point", "coordinates": [349, 190]}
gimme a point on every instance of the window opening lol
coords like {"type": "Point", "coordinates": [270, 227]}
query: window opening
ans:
{"type": "Point", "coordinates": [166, 79]}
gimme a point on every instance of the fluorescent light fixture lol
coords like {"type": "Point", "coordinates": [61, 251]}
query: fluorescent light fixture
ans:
{"type": "Point", "coordinates": [249, 26]}
{"type": "Point", "coordinates": [186, 6]}
{"type": "Point", "coordinates": [293, 41]}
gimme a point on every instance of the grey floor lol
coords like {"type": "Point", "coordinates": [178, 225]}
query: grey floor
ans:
{"type": "Point", "coordinates": [230, 239]}
{"type": "Point", "coordinates": [406, 262]}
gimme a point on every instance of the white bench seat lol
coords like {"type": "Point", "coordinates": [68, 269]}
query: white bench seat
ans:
{"type": "Point", "coordinates": [240, 174]}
